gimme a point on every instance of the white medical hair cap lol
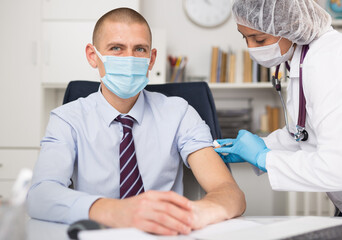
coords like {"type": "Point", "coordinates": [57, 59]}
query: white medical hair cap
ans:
{"type": "Point", "coordinates": [300, 21]}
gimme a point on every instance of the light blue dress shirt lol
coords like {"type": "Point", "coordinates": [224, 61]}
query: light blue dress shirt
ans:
{"type": "Point", "coordinates": [82, 143]}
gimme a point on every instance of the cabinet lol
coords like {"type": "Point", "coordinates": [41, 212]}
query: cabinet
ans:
{"type": "Point", "coordinates": [20, 89]}
{"type": "Point", "coordinates": [63, 49]}
{"type": "Point", "coordinates": [19, 75]}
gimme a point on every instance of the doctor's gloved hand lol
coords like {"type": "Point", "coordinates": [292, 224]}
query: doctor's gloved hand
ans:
{"type": "Point", "coordinates": [248, 147]}
{"type": "Point", "coordinates": [230, 158]}
{"type": "Point", "coordinates": [227, 157]}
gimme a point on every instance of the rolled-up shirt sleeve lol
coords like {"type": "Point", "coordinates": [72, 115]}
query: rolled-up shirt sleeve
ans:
{"type": "Point", "coordinates": [50, 197]}
{"type": "Point", "coordinates": [193, 134]}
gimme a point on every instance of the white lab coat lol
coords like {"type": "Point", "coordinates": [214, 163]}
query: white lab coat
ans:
{"type": "Point", "coordinates": [314, 165]}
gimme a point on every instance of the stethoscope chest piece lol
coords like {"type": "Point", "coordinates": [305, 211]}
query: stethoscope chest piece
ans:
{"type": "Point", "coordinates": [301, 135]}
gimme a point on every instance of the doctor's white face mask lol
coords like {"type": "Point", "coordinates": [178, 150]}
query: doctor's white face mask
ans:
{"type": "Point", "coordinates": [270, 55]}
{"type": "Point", "coordinates": [125, 76]}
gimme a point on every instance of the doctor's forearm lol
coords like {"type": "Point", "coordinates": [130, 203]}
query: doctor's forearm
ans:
{"type": "Point", "coordinates": [304, 171]}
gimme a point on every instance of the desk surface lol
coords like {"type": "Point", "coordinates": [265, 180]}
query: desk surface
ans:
{"type": "Point", "coordinates": [268, 228]}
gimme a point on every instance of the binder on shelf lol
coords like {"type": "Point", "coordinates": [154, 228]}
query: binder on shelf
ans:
{"type": "Point", "coordinates": [264, 74]}
{"type": "Point", "coordinates": [219, 65]}
{"type": "Point", "coordinates": [264, 125]}
{"type": "Point", "coordinates": [223, 74]}
{"type": "Point", "coordinates": [231, 71]}
{"type": "Point", "coordinates": [247, 67]}
{"type": "Point", "coordinates": [255, 72]}
{"type": "Point", "coordinates": [214, 62]}
{"type": "Point", "coordinates": [275, 118]}
{"type": "Point", "coordinates": [272, 118]}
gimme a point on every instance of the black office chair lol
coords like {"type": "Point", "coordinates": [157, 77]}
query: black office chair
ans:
{"type": "Point", "coordinates": [198, 96]}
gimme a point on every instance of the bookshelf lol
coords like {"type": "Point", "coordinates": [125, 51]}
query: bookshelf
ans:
{"type": "Point", "coordinates": [336, 23]}
{"type": "Point", "coordinates": [259, 85]}
{"type": "Point", "coordinates": [264, 85]}
{"type": "Point", "coordinates": [54, 85]}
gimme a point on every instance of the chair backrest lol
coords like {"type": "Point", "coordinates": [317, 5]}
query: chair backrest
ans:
{"type": "Point", "coordinates": [197, 94]}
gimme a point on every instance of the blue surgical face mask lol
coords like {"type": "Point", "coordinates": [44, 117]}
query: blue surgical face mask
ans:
{"type": "Point", "coordinates": [125, 76]}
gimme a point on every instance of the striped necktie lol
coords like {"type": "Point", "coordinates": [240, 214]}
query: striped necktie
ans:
{"type": "Point", "coordinates": [130, 179]}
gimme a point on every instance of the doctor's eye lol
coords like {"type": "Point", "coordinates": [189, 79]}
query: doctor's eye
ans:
{"type": "Point", "coordinates": [260, 41]}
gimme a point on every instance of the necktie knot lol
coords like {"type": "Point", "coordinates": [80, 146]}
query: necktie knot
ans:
{"type": "Point", "coordinates": [126, 121]}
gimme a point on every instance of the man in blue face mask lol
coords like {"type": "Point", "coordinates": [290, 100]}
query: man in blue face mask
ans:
{"type": "Point", "coordinates": [123, 59]}
{"type": "Point", "coordinates": [121, 147]}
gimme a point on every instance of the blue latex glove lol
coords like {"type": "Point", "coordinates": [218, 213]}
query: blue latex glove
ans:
{"type": "Point", "coordinates": [231, 158]}
{"type": "Point", "coordinates": [248, 147]}
{"type": "Point", "coordinates": [228, 157]}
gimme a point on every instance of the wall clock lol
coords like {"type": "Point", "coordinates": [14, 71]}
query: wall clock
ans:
{"type": "Point", "coordinates": [207, 13]}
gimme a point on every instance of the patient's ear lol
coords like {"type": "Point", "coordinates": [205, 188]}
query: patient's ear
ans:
{"type": "Point", "coordinates": [152, 58]}
{"type": "Point", "coordinates": [91, 55]}
{"type": "Point", "coordinates": [94, 60]}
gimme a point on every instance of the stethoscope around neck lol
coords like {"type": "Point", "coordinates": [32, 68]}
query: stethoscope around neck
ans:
{"type": "Point", "coordinates": [301, 134]}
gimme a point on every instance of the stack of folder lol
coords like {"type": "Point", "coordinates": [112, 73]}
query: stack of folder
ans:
{"type": "Point", "coordinates": [223, 66]}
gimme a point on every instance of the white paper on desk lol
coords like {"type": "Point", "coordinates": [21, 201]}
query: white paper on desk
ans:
{"type": "Point", "coordinates": [115, 233]}
{"type": "Point", "coordinates": [223, 227]}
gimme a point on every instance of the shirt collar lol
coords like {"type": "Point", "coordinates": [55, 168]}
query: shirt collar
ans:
{"type": "Point", "coordinates": [109, 113]}
{"type": "Point", "coordinates": [294, 72]}
{"type": "Point", "coordinates": [137, 111]}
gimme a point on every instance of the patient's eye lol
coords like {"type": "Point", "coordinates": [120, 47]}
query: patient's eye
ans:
{"type": "Point", "coordinates": [116, 48]}
{"type": "Point", "coordinates": [141, 49]}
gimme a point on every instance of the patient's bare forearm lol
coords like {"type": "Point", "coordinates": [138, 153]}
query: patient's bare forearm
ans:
{"type": "Point", "coordinates": [224, 199]}
{"type": "Point", "coordinates": [225, 202]}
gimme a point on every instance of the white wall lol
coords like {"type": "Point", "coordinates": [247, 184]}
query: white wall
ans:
{"type": "Point", "coordinates": [186, 38]}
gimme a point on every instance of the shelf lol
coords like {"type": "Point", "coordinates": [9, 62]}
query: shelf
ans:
{"type": "Point", "coordinates": [265, 85]}
{"type": "Point", "coordinates": [54, 85]}
{"type": "Point", "coordinates": [336, 23]}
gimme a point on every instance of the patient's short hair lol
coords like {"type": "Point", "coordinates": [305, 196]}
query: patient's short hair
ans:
{"type": "Point", "coordinates": [124, 15]}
